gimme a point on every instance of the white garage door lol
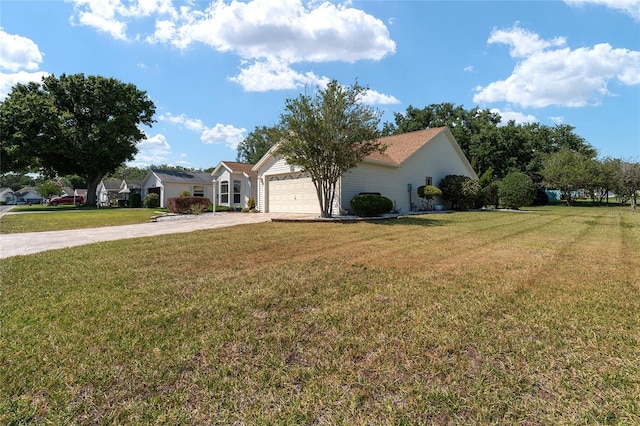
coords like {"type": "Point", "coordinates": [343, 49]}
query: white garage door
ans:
{"type": "Point", "coordinates": [292, 193]}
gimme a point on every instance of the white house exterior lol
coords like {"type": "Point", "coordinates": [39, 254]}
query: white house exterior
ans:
{"type": "Point", "coordinates": [235, 184]}
{"type": "Point", "coordinates": [7, 196]}
{"type": "Point", "coordinates": [410, 160]}
{"type": "Point", "coordinates": [169, 183]}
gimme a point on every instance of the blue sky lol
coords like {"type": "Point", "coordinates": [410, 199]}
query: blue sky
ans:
{"type": "Point", "coordinates": [217, 69]}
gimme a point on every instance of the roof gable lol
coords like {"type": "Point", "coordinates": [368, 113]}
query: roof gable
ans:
{"type": "Point", "coordinates": [235, 167]}
{"type": "Point", "coordinates": [402, 146]}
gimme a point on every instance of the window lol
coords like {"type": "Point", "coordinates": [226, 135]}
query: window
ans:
{"type": "Point", "coordinates": [198, 191]}
{"type": "Point", "coordinates": [224, 192]}
{"type": "Point", "coordinates": [428, 180]}
{"type": "Point", "coordinates": [237, 187]}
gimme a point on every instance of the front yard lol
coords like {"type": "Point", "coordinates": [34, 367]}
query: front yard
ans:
{"type": "Point", "coordinates": [464, 318]}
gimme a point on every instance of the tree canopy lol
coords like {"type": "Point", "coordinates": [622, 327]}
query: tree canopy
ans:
{"type": "Point", "coordinates": [73, 124]}
{"type": "Point", "coordinates": [490, 144]}
{"type": "Point", "coordinates": [258, 143]}
{"type": "Point", "coordinates": [327, 134]}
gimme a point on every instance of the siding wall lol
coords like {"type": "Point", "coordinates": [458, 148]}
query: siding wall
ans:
{"type": "Point", "coordinates": [436, 159]}
{"type": "Point", "coordinates": [273, 166]}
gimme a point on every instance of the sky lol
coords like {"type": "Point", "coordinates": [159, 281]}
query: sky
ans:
{"type": "Point", "coordinates": [217, 69]}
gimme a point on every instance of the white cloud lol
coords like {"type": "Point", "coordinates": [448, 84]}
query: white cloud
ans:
{"type": "Point", "coordinates": [219, 133]}
{"type": "Point", "coordinates": [285, 29]}
{"type": "Point", "coordinates": [274, 74]}
{"type": "Point", "coordinates": [153, 150]}
{"type": "Point", "coordinates": [558, 119]}
{"type": "Point", "coordinates": [372, 97]}
{"type": "Point", "coordinates": [113, 16]}
{"type": "Point", "coordinates": [559, 76]}
{"type": "Point", "coordinates": [18, 53]}
{"type": "Point", "coordinates": [468, 68]}
{"type": "Point", "coordinates": [7, 81]}
{"type": "Point", "coordinates": [21, 57]}
{"type": "Point", "coordinates": [518, 117]}
{"type": "Point", "coordinates": [630, 7]}
{"type": "Point", "coordinates": [523, 43]}
{"type": "Point", "coordinates": [223, 133]}
{"type": "Point", "coordinates": [270, 35]}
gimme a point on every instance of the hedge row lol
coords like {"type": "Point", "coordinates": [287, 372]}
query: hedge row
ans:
{"type": "Point", "coordinates": [182, 205]}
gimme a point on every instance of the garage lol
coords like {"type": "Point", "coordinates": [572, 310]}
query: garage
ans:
{"type": "Point", "coordinates": [292, 193]}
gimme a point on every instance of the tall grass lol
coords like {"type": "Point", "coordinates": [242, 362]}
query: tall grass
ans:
{"type": "Point", "coordinates": [467, 318]}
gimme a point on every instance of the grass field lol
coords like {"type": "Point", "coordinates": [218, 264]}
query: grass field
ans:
{"type": "Point", "coordinates": [465, 318]}
{"type": "Point", "coordinates": [46, 218]}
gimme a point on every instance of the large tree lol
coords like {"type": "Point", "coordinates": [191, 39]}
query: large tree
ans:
{"type": "Point", "coordinates": [327, 134]}
{"type": "Point", "coordinates": [73, 124]}
{"type": "Point", "coordinates": [258, 143]}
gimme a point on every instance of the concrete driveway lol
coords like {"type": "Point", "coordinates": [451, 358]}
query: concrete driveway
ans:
{"type": "Point", "coordinates": [34, 242]}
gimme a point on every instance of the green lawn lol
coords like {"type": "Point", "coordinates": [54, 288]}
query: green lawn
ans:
{"type": "Point", "coordinates": [47, 218]}
{"type": "Point", "coordinates": [465, 318]}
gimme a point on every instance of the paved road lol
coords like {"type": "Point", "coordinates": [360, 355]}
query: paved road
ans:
{"type": "Point", "coordinates": [34, 242]}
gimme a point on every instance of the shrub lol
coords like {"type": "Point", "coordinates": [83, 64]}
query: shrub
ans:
{"type": "Point", "coordinates": [489, 194]}
{"type": "Point", "coordinates": [151, 200]}
{"type": "Point", "coordinates": [135, 200]}
{"type": "Point", "coordinates": [542, 199]}
{"type": "Point", "coordinates": [429, 191]}
{"type": "Point", "coordinates": [516, 190]}
{"type": "Point", "coordinates": [183, 205]}
{"type": "Point", "coordinates": [197, 208]}
{"type": "Point", "coordinates": [462, 192]}
{"type": "Point", "coordinates": [251, 204]}
{"type": "Point", "coordinates": [184, 193]}
{"type": "Point", "coordinates": [369, 205]}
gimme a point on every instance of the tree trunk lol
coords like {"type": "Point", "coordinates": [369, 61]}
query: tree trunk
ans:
{"type": "Point", "coordinates": [92, 182]}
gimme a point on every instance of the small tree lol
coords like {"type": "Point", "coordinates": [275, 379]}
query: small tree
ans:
{"type": "Point", "coordinates": [567, 171]}
{"type": "Point", "coordinates": [184, 193]}
{"type": "Point", "coordinates": [516, 190]}
{"type": "Point", "coordinates": [328, 134]}
{"type": "Point", "coordinates": [48, 189]}
{"type": "Point", "coordinates": [428, 192]}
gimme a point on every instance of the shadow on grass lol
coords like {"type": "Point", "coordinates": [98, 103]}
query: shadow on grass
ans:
{"type": "Point", "coordinates": [413, 221]}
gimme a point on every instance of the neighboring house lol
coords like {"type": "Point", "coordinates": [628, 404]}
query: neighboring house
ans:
{"type": "Point", "coordinates": [108, 191]}
{"type": "Point", "coordinates": [235, 183]}
{"type": "Point", "coordinates": [29, 195]}
{"type": "Point", "coordinates": [77, 192]}
{"type": "Point", "coordinates": [169, 183]}
{"type": "Point", "coordinates": [7, 196]}
{"type": "Point", "coordinates": [111, 191]}
{"type": "Point", "coordinates": [410, 160]}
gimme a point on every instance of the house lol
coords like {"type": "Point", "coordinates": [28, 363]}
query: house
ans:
{"type": "Point", "coordinates": [410, 160]}
{"type": "Point", "coordinates": [235, 184]}
{"type": "Point", "coordinates": [169, 183]}
{"type": "Point", "coordinates": [29, 195]}
{"type": "Point", "coordinates": [7, 196]}
{"type": "Point", "coordinates": [112, 191]}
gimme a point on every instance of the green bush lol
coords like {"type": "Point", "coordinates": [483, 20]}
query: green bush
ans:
{"type": "Point", "coordinates": [489, 194]}
{"type": "Point", "coordinates": [516, 190]}
{"type": "Point", "coordinates": [151, 200]}
{"type": "Point", "coordinates": [462, 192]}
{"type": "Point", "coordinates": [184, 193]}
{"type": "Point", "coordinates": [368, 205]}
{"type": "Point", "coordinates": [135, 200]}
{"type": "Point", "coordinates": [184, 205]}
{"type": "Point", "coordinates": [429, 191]}
{"type": "Point", "coordinates": [251, 203]}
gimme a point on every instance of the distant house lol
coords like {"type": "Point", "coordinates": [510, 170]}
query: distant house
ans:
{"type": "Point", "coordinates": [29, 195]}
{"type": "Point", "coordinates": [169, 183]}
{"type": "Point", "coordinates": [7, 195]}
{"type": "Point", "coordinates": [112, 191]}
{"type": "Point", "coordinates": [411, 159]}
{"type": "Point", "coordinates": [235, 184]}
